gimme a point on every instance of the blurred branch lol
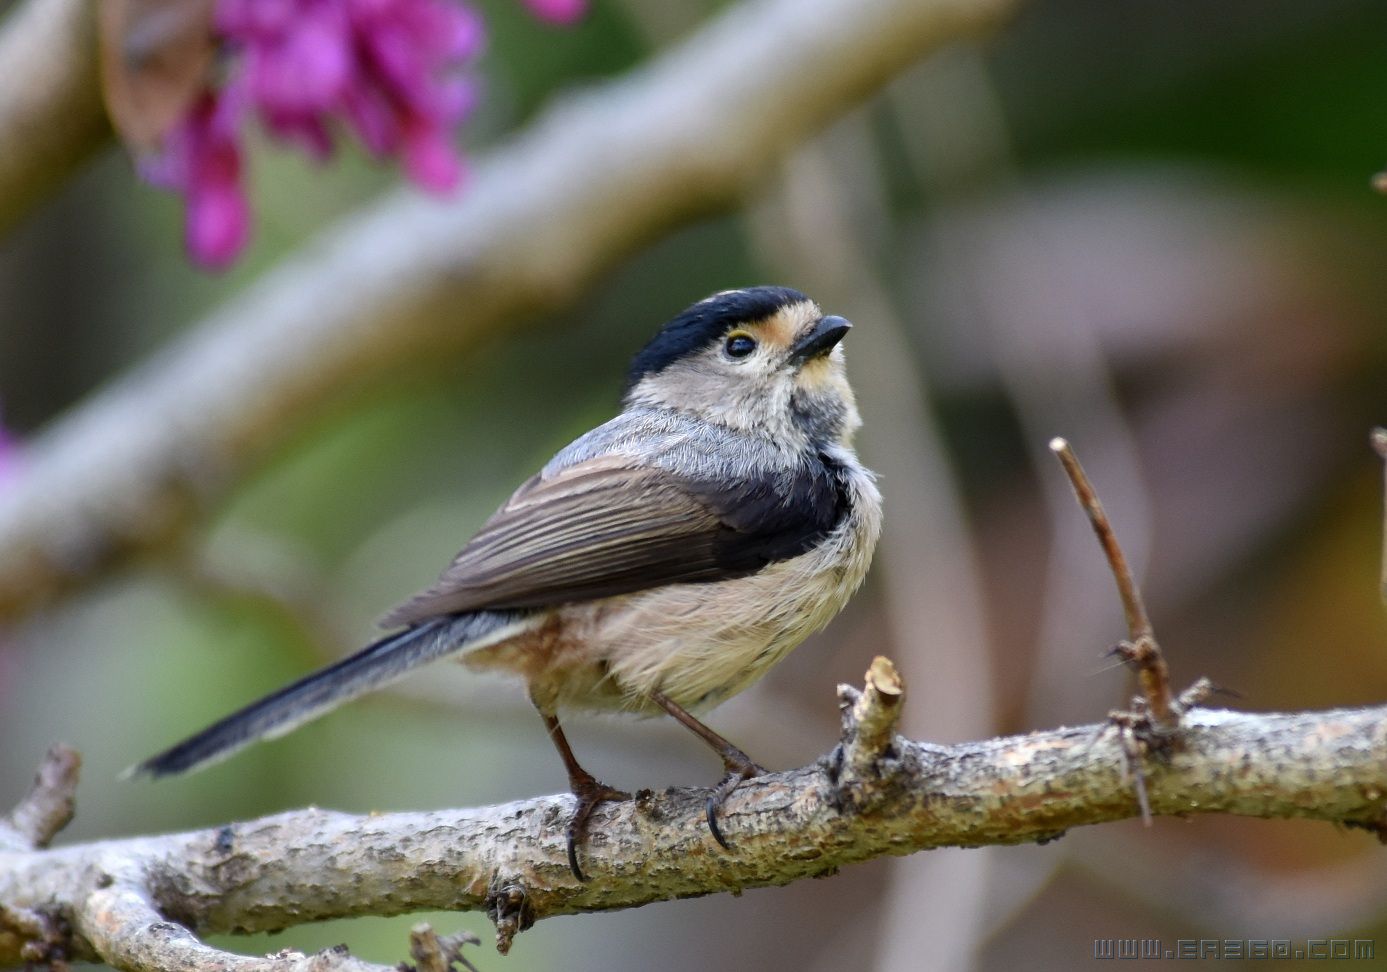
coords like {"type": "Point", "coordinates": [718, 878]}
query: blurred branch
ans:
{"type": "Point", "coordinates": [51, 117]}
{"type": "Point", "coordinates": [409, 279]}
{"type": "Point", "coordinates": [1379, 442]}
{"type": "Point", "coordinates": [137, 903]}
{"type": "Point", "coordinates": [49, 805]}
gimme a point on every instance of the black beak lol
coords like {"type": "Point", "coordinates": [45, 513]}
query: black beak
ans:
{"type": "Point", "coordinates": [820, 340]}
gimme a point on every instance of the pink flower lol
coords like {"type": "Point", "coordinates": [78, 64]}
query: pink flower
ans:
{"type": "Point", "coordinates": [202, 160]}
{"type": "Point", "coordinates": [391, 71]}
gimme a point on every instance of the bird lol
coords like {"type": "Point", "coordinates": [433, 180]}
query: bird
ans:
{"type": "Point", "coordinates": [659, 564]}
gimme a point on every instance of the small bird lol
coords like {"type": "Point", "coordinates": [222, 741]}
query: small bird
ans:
{"type": "Point", "coordinates": [662, 562]}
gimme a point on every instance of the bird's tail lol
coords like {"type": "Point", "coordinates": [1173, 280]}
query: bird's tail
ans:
{"type": "Point", "coordinates": [316, 694]}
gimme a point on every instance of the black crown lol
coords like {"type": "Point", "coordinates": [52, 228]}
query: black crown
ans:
{"type": "Point", "coordinates": [698, 326]}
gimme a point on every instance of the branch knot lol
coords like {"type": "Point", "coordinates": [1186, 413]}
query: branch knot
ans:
{"type": "Point", "coordinates": [509, 908]}
{"type": "Point", "coordinates": [867, 755]}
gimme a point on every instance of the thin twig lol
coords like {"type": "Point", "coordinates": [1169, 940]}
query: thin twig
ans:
{"type": "Point", "coordinates": [1142, 654]}
{"type": "Point", "coordinates": [1138, 623]}
{"type": "Point", "coordinates": [1379, 441]}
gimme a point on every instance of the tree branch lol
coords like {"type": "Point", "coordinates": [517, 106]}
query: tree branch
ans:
{"type": "Point", "coordinates": [410, 279]}
{"type": "Point", "coordinates": [51, 116]}
{"type": "Point", "coordinates": [124, 929]}
{"type": "Point", "coordinates": [49, 805]}
{"type": "Point", "coordinates": [137, 903]}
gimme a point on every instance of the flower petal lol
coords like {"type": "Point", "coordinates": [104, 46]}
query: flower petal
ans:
{"type": "Point", "coordinates": [217, 225]}
{"type": "Point", "coordinates": [431, 162]}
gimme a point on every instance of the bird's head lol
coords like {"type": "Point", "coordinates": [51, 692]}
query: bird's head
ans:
{"type": "Point", "coordinates": [764, 359]}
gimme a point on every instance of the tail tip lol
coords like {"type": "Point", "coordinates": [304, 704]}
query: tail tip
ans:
{"type": "Point", "coordinates": [156, 767]}
{"type": "Point", "coordinates": [139, 771]}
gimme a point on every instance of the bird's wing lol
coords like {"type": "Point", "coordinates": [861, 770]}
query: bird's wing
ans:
{"type": "Point", "coordinates": [606, 526]}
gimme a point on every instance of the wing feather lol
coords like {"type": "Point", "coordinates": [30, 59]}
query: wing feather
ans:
{"type": "Point", "coordinates": [604, 527]}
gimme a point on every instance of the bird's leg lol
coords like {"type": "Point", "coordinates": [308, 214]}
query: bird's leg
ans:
{"type": "Point", "coordinates": [737, 764]}
{"type": "Point", "coordinates": [586, 787]}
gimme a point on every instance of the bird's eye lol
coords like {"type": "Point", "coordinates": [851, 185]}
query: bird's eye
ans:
{"type": "Point", "coordinates": [739, 345]}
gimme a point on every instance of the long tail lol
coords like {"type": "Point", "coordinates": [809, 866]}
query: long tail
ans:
{"type": "Point", "coordinates": [373, 667]}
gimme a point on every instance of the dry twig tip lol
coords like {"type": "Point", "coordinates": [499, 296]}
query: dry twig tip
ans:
{"type": "Point", "coordinates": [870, 718]}
{"type": "Point", "coordinates": [1138, 623]}
{"type": "Point", "coordinates": [1142, 653]}
{"type": "Point", "coordinates": [1379, 441]}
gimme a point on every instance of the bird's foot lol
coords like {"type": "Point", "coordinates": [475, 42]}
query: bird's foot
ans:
{"type": "Point", "coordinates": [738, 766]}
{"type": "Point", "coordinates": [589, 793]}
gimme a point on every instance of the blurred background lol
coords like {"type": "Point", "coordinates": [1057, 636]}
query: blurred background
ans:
{"type": "Point", "coordinates": [1146, 226]}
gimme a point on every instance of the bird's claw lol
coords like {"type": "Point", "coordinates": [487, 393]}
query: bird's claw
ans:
{"type": "Point", "coordinates": [589, 794]}
{"type": "Point", "coordinates": [739, 766]}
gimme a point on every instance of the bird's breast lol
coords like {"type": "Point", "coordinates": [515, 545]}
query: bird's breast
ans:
{"type": "Point", "coordinates": [702, 643]}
